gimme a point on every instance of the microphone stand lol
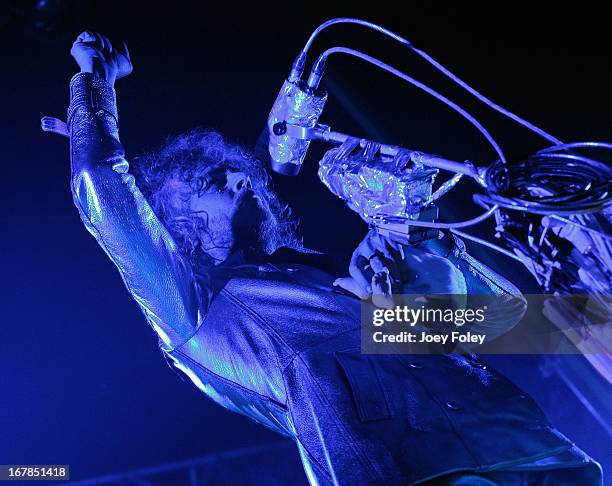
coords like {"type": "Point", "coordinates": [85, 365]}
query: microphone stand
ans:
{"type": "Point", "coordinates": [324, 133]}
{"type": "Point", "coordinates": [395, 227]}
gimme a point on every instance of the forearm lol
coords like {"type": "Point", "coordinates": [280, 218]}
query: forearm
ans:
{"type": "Point", "coordinates": [116, 213]}
{"type": "Point", "coordinates": [92, 124]}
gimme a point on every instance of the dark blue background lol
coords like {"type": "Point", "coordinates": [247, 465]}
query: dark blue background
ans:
{"type": "Point", "coordinates": [81, 379]}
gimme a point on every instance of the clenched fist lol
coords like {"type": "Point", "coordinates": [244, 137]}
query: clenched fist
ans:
{"type": "Point", "coordinates": [95, 54]}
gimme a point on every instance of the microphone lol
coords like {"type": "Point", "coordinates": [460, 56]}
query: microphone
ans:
{"type": "Point", "coordinates": [296, 104]}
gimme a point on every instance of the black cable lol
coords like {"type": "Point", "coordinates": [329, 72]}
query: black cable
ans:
{"type": "Point", "coordinates": [551, 181]}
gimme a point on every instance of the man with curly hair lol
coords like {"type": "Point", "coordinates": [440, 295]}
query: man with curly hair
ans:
{"type": "Point", "coordinates": [186, 181]}
{"type": "Point", "coordinates": [210, 256]}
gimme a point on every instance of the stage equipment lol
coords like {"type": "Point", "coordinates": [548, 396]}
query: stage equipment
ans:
{"type": "Point", "coordinates": [392, 188]}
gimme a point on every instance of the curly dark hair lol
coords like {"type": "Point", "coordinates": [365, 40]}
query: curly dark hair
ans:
{"type": "Point", "coordinates": [165, 178]}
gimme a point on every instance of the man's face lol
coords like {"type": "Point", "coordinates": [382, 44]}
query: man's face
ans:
{"type": "Point", "coordinates": [224, 199]}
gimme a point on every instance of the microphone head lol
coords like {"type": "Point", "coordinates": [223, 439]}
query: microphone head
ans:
{"type": "Point", "coordinates": [296, 104]}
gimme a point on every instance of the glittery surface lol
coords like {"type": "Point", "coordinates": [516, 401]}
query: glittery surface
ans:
{"type": "Point", "coordinates": [377, 187]}
{"type": "Point", "coordinates": [297, 106]}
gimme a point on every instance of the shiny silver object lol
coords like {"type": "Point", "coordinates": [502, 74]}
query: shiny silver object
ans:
{"type": "Point", "coordinates": [298, 105]}
{"type": "Point", "coordinates": [377, 187]}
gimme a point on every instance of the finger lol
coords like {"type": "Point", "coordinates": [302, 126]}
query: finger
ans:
{"type": "Point", "coordinates": [86, 36]}
{"type": "Point", "coordinates": [379, 264]}
{"type": "Point", "coordinates": [381, 290]}
{"type": "Point", "coordinates": [358, 269]}
{"type": "Point", "coordinates": [402, 269]}
{"type": "Point", "coordinates": [107, 43]}
{"type": "Point", "coordinates": [392, 257]}
{"type": "Point", "coordinates": [381, 283]}
{"type": "Point", "coordinates": [385, 251]}
{"type": "Point", "coordinates": [349, 284]}
{"type": "Point", "coordinates": [91, 51]}
{"type": "Point", "coordinates": [396, 247]}
{"type": "Point", "coordinates": [98, 54]}
{"type": "Point", "coordinates": [124, 50]}
{"type": "Point", "coordinates": [372, 255]}
{"type": "Point", "coordinates": [378, 243]}
{"type": "Point", "coordinates": [399, 248]}
{"type": "Point", "coordinates": [100, 41]}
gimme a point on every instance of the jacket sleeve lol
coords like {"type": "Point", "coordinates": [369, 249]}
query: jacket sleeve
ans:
{"type": "Point", "coordinates": [116, 213]}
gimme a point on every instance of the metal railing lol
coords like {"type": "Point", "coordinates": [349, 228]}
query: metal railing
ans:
{"type": "Point", "coordinates": [191, 467]}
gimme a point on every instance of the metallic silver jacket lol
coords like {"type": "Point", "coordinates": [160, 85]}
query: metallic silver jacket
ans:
{"type": "Point", "coordinates": [272, 340]}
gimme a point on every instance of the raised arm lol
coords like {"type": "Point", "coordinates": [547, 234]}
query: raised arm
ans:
{"type": "Point", "coordinates": [112, 207]}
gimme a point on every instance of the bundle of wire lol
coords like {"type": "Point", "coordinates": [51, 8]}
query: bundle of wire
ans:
{"type": "Point", "coordinates": [557, 181]}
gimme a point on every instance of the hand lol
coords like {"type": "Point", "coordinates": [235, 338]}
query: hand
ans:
{"type": "Point", "coordinates": [94, 53]}
{"type": "Point", "coordinates": [380, 268]}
